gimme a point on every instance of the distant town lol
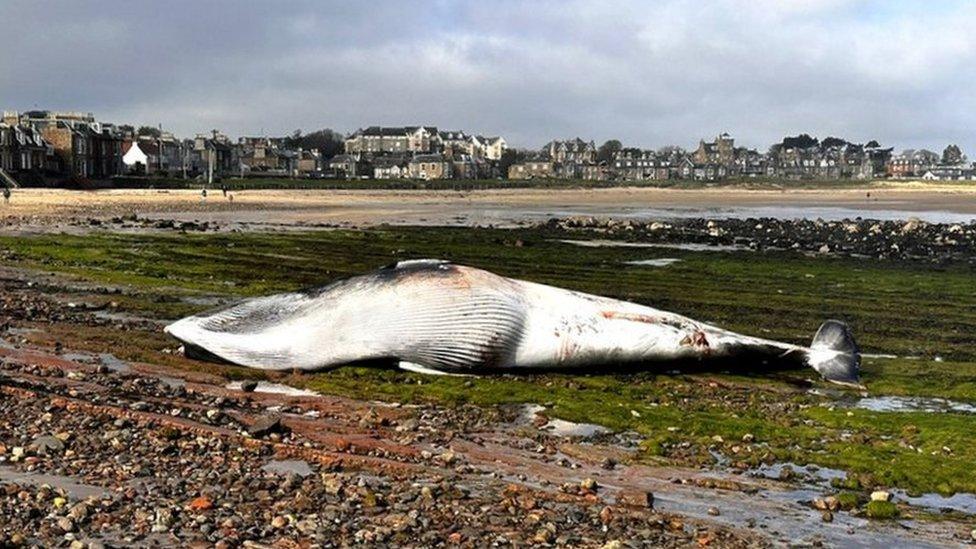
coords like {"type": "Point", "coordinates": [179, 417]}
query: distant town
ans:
{"type": "Point", "coordinates": [43, 147]}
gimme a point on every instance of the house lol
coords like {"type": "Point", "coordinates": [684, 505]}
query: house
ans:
{"type": "Point", "coordinates": [631, 164]}
{"type": "Point", "coordinates": [465, 166]}
{"type": "Point", "coordinates": [81, 146]}
{"type": "Point", "coordinates": [261, 154]}
{"type": "Point", "coordinates": [308, 162]}
{"type": "Point", "coordinates": [709, 172]}
{"type": "Point", "coordinates": [348, 166]}
{"type": "Point", "coordinates": [23, 149]}
{"type": "Point", "coordinates": [533, 169]}
{"type": "Point", "coordinates": [595, 172]}
{"type": "Point", "coordinates": [912, 163]}
{"type": "Point", "coordinates": [430, 166]}
{"type": "Point", "coordinates": [212, 155]}
{"type": "Point", "coordinates": [950, 172]}
{"type": "Point", "coordinates": [494, 147]}
{"type": "Point", "coordinates": [719, 151]}
{"type": "Point", "coordinates": [749, 163]}
{"type": "Point", "coordinates": [390, 167]}
{"type": "Point", "coordinates": [140, 157]}
{"type": "Point", "coordinates": [378, 140]}
{"type": "Point", "coordinates": [574, 151]}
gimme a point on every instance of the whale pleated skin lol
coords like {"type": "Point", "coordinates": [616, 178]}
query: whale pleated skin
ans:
{"type": "Point", "coordinates": [437, 316]}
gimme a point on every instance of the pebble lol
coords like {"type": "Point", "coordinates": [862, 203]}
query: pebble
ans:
{"type": "Point", "coordinates": [880, 495]}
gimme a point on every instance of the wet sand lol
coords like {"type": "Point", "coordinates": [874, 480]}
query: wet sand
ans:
{"type": "Point", "coordinates": [498, 207]}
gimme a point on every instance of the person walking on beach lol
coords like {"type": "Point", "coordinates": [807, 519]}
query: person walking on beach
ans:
{"type": "Point", "coordinates": [203, 195]}
{"type": "Point", "coordinates": [6, 195]}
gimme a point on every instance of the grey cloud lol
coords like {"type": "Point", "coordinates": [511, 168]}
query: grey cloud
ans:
{"type": "Point", "coordinates": [649, 73]}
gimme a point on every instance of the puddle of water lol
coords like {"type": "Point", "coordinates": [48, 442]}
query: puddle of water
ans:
{"type": "Point", "coordinates": [564, 428]}
{"type": "Point", "coordinates": [288, 466]}
{"type": "Point", "coordinates": [687, 246]}
{"type": "Point", "coordinates": [913, 404]}
{"type": "Point", "coordinates": [660, 262]}
{"type": "Point", "coordinates": [276, 388]}
{"type": "Point", "coordinates": [113, 363]}
{"type": "Point", "coordinates": [560, 427]}
{"type": "Point", "coordinates": [821, 476]}
{"type": "Point", "coordinates": [74, 489]}
{"type": "Point", "coordinates": [963, 503]}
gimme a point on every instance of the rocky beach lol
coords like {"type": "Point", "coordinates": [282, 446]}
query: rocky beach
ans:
{"type": "Point", "coordinates": [109, 437]}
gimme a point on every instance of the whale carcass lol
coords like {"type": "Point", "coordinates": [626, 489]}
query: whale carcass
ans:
{"type": "Point", "coordinates": [435, 316]}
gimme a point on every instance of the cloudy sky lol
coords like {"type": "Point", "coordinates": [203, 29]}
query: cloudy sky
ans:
{"type": "Point", "coordinates": [647, 72]}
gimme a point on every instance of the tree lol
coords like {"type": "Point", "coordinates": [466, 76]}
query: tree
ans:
{"type": "Point", "coordinates": [326, 141]}
{"type": "Point", "coordinates": [830, 142]}
{"type": "Point", "coordinates": [148, 131]}
{"type": "Point", "coordinates": [872, 145]}
{"type": "Point", "coordinates": [606, 150]}
{"type": "Point", "coordinates": [952, 155]}
{"type": "Point", "coordinates": [509, 157]}
{"type": "Point", "coordinates": [802, 141]}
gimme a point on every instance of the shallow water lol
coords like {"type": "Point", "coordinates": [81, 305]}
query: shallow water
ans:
{"type": "Point", "coordinates": [689, 246]}
{"type": "Point", "coordinates": [659, 262]}
{"type": "Point", "coordinates": [560, 427]}
{"type": "Point", "coordinates": [827, 213]}
{"type": "Point", "coordinates": [914, 404]}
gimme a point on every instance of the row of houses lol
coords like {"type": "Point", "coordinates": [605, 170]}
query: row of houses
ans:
{"type": "Point", "coordinates": [720, 159]}
{"type": "Point", "coordinates": [72, 144]}
{"type": "Point", "coordinates": [426, 166]}
{"type": "Point", "coordinates": [418, 152]}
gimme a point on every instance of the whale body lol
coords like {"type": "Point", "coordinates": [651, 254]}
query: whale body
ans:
{"type": "Point", "coordinates": [439, 317]}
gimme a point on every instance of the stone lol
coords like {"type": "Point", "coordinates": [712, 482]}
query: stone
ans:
{"type": "Point", "coordinates": [47, 445]}
{"type": "Point", "coordinates": [248, 386]}
{"type": "Point", "coordinates": [880, 495]}
{"type": "Point", "coordinates": [588, 484]}
{"type": "Point", "coordinates": [265, 425]}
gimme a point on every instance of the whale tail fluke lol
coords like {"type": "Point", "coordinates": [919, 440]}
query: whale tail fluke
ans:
{"type": "Point", "coordinates": [835, 354]}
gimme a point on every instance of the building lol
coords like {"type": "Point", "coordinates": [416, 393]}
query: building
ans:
{"type": "Point", "coordinates": [633, 164]}
{"type": "Point", "coordinates": [390, 167]}
{"type": "Point", "coordinates": [211, 155]}
{"type": "Point", "coordinates": [23, 149]}
{"type": "Point", "coordinates": [494, 148]}
{"type": "Point", "coordinates": [595, 172]}
{"type": "Point", "coordinates": [720, 151]}
{"type": "Point", "coordinates": [950, 172]}
{"type": "Point", "coordinates": [82, 146]}
{"type": "Point", "coordinates": [379, 140]}
{"type": "Point", "coordinates": [430, 166]}
{"type": "Point", "coordinates": [532, 169]}
{"type": "Point", "coordinates": [912, 163]}
{"type": "Point", "coordinates": [349, 166]}
{"type": "Point", "coordinates": [573, 151]}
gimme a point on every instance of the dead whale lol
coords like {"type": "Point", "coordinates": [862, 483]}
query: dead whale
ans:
{"type": "Point", "coordinates": [438, 317]}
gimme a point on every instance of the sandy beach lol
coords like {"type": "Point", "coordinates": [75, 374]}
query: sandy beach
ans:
{"type": "Point", "coordinates": [498, 207]}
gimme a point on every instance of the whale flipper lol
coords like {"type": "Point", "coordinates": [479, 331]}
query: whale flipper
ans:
{"type": "Point", "coordinates": [421, 369]}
